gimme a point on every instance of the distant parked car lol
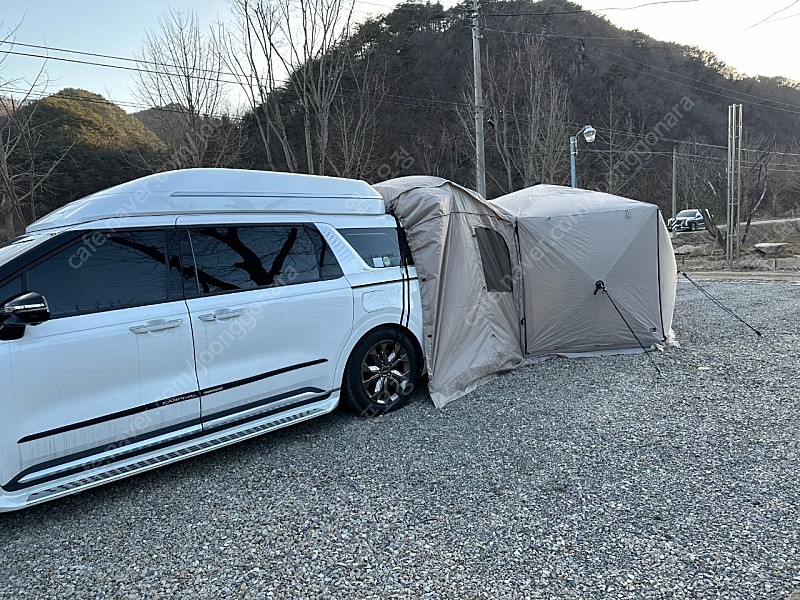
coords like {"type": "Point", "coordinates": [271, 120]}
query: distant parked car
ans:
{"type": "Point", "coordinates": [687, 220]}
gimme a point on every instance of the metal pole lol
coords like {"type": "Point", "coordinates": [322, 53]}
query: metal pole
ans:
{"type": "Point", "coordinates": [739, 182]}
{"type": "Point", "coordinates": [480, 167]}
{"type": "Point", "coordinates": [573, 152]}
{"type": "Point", "coordinates": [674, 181]}
{"type": "Point", "coordinates": [729, 194]}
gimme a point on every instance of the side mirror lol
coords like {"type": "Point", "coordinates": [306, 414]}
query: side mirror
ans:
{"type": "Point", "coordinates": [26, 309]}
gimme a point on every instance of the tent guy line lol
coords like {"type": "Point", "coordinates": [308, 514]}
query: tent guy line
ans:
{"type": "Point", "coordinates": [599, 286]}
{"type": "Point", "coordinates": [720, 304]}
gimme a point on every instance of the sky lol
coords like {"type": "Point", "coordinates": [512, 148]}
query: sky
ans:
{"type": "Point", "coordinates": [726, 27]}
{"type": "Point", "coordinates": [723, 26]}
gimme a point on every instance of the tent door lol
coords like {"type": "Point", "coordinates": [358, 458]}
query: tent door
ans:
{"type": "Point", "coordinates": [501, 278]}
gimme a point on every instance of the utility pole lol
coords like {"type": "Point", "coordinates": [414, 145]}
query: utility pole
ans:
{"type": "Point", "coordinates": [674, 181]}
{"type": "Point", "coordinates": [480, 166]}
{"type": "Point", "coordinates": [733, 239]}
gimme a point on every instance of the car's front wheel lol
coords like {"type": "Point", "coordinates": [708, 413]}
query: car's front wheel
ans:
{"type": "Point", "coordinates": [380, 374]}
{"type": "Point", "coordinates": [692, 226]}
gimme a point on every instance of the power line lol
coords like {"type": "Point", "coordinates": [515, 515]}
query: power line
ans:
{"type": "Point", "coordinates": [726, 96]}
{"type": "Point", "coordinates": [182, 75]}
{"type": "Point", "coordinates": [108, 56]}
{"type": "Point", "coordinates": [783, 18]}
{"type": "Point", "coordinates": [592, 149]}
{"type": "Point", "coordinates": [401, 100]}
{"type": "Point", "coordinates": [559, 35]}
{"type": "Point", "coordinates": [121, 67]}
{"type": "Point", "coordinates": [777, 12]}
{"type": "Point", "coordinates": [733, 94]}
{"type": "Point", "coordinates": [373, 4]}
{"type": "Point", "coordinates": [692, 142]}
{"type": "Point", "coordinates": [586, 10]}
{"type": "Point", "coordinates": [695, 79]}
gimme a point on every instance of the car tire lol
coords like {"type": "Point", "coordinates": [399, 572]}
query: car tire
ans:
{"type": "Point", "coordinates": [380, 373]}
{"type": "Point", "coordinates": [692, 226]}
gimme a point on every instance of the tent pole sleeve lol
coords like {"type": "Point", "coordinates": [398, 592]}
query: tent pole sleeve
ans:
{"type": "Point", "coordinates": [658, 266]}
{"type": "Point", "coordinates": [521, 303]}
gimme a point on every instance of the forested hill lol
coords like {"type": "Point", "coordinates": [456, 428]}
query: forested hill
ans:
{"type": "Point", "coordinates": [569, 69]}
{"type": "Point", "coordinates": [83, 141]}
{"type": "Point", "coordinates": [396, 98]}
{"type": "Point", "coordinates": [650, 76]}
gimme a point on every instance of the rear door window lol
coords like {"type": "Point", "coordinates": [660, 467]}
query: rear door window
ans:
{"type": "Point", "coordinates": [236, 258]}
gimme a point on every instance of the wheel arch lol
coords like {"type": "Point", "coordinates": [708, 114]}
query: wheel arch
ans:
{"type": "Point", "coordinates": [344, 358]}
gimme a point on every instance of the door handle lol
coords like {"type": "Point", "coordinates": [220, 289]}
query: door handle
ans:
{"type": "Point", "coordinates": [158, 325]}
{"type": "Point", "coordinates": [222, 315]}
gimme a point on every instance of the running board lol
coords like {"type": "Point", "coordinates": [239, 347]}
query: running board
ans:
{"type": "Point", "coordinates": [140, 465]}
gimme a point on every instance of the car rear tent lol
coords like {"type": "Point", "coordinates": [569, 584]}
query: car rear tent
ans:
{"type": "Point", "coordinates": [460, 248]}
{"type": "Point", "coordinates": [532, 274]}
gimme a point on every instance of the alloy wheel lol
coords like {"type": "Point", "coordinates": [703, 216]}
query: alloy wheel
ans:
{"type": "Point", "coordinates": [386, 372]}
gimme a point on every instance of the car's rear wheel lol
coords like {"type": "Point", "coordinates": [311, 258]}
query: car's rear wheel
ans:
{"type": "Point", "coordinates": [380, 374]}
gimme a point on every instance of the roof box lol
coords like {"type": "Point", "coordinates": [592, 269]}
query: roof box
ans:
{"type": "Point", "coordinates": [210, 191]}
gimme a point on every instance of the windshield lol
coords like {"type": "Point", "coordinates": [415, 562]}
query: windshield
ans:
{"type": "Point", "coordinates": [687, 213]}
{"type": "Point", "coordinates": [15, 247]}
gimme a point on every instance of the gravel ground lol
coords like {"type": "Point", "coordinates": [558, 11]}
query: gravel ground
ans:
{"type": "Point", "coordinates": [584, 478]}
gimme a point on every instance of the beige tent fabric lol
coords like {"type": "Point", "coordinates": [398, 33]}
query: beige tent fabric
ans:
{"type": "Point", "coordinates": [493, 298]}
{"type": "Point", "coordinates": [569, 239]}
{"type": "Point", "coordinates": [471, 333]}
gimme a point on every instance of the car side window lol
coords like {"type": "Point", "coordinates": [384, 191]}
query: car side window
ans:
{"type": "Point", "coordinates": [379, 246]}
{"type": "Point", "coordinates": [102, 271]}
{"type": "Point", "coordinates": [235, 258]}
{"type": "Point", "coordinates": [329, 267]}
{"type": "Point", "coordinates": [10, 289]}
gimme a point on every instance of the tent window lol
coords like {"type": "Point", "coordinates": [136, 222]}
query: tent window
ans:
{"type": "Point", "coordinates": [496, 260]}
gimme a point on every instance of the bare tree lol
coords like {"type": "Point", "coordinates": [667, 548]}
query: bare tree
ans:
{"type": "Point", "coordinates": [528, 109]}
{"type": "Point", "coordinates": [303, 41]}
{"type": "Point", "coordinates": [619, 130]}
{"type": "Point", "coordinates": [701, 175]}
{"type": "Point", "coordinates": [26, 163]}
{"type": "Point", "coordinates": [354, 117]}
{"type": "Point", "coordinates": [249, 53]}
{"type": "Point", "coordinates": [702, 181]}
{"type": "Point", "coordinates": [713, 229]}
{"type": "Point", "coordinates": [756, 159]}
{"type": "Point", "coordinates": [440, 153]}
{"type": "Point", "coordinates": [785, 178]}
{"type": "Point", "coordinates": [180, 77]}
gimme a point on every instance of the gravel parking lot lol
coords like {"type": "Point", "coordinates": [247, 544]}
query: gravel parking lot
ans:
{"type": "Point", "coordinates": [587, 478]}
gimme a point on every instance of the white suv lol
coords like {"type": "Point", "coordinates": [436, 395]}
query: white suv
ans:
{"type": "Point", "coordinates": [185, 311]}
